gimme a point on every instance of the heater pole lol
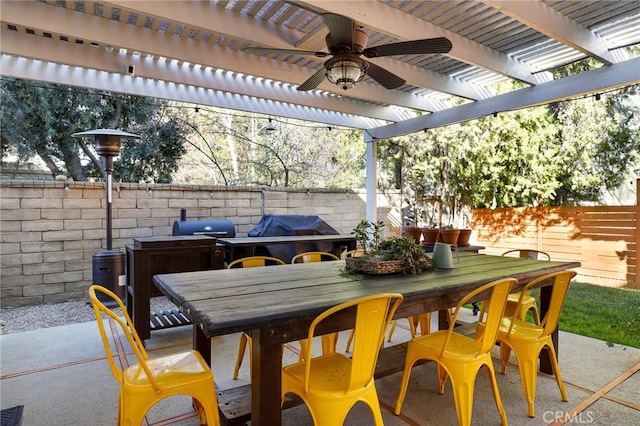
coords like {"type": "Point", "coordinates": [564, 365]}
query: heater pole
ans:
{"type": "Point", "coordinates": [108, 169]}
{"type": "Point", "coordinates": [109, 266]}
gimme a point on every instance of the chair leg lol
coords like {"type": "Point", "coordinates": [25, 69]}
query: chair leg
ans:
{"type": "Point", "coordinates": [528, 366]}
{"type": "Point", "coordinates": [329, 343]}
{"type": "Point", "coordinates": [408, 365]}
{"type": "Point", "coordinates": [496, 393]}
{"type": "Point", "coordinates": [303, 349]}
{"type": "Point", "coordinates": [556, 372]}
{"type": "Point", "coordinates": [442, 379]}
{"type": "Point", "coordinates": [241, 349]}
{"type": "Point", "coordinates": [349, 341]}
{"type": "Point", "coordinates": [392, 329]}
{"type": "Point", "coordinates": [505, 354]}
{"type": "Point", "coordinates": [462, 396]}
{"type": "Point", "coordinates": [371, 399]}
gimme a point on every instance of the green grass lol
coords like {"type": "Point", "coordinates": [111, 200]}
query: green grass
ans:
{"type": "Point", "coordinates": [609, 314]}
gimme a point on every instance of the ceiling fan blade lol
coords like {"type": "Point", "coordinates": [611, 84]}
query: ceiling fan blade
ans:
{"type": "Point", "coordinates": [414, 47]}
{"type": "Point", "coordinates": [341, 28]}
{"type": "Point", "coordinates": [269, 51]}
{"type": "Point", "coordinates": [384, 77]}
{"type": "Point", "coordinates": [313, 81]}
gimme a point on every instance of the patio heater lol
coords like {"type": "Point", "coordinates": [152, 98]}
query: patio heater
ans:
{"type": "Point", "coordinates": [109, 264]}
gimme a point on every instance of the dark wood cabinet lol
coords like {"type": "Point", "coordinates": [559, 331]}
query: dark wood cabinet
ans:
{"type": "Point", "coordinates": [149, 256]}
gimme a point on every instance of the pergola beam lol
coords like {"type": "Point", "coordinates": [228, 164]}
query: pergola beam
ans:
{"type": "Point", "coordinates": [547, 21]}
{"type": "Point", "coordinates": [622, 74]}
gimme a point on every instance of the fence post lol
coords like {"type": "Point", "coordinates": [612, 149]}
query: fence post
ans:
{"type": "Point", "coordinates": [637, 280]}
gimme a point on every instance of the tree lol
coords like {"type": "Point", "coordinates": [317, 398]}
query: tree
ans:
{"type": "Point", "coordinates": [43, 117]}
{"type": "Point", "coordinates": [226, 148]}
{"type": "Point", "coordinates": [562, 154]}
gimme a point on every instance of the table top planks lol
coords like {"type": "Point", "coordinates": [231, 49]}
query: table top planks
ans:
{"type": "Point", "coordinates": [228, 301]}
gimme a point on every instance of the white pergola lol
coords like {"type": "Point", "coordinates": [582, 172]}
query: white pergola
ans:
{"type": "Point", "coordinates": [192, 51]}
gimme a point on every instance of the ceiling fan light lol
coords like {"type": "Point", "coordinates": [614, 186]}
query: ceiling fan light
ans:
{"type": "Point", "coordinates": [345, 74]}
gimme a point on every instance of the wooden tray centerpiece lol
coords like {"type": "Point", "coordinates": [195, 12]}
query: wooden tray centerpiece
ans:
{"type": "Point", "coordinates": [392, 255]}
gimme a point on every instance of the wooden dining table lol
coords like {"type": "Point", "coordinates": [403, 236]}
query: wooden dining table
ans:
{"type": "Point", "coordinates": [276, 304]}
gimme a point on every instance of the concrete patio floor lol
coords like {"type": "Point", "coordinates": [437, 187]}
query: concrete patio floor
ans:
{"type": "Point", "coordinates": [61, 377]}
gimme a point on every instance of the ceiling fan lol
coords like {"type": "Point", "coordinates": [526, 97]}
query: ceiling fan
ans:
{"type": "Point", "coordinates": [347, 43]}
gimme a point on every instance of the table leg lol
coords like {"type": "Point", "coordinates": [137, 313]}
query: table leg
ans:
{"type": "Point", "coordinates": [443, 320]}
{"type": "Point", "coordinates": [202, 344]}
{"type": "Point", "coordinates": [545, 361]}
{"type": "Point", "coordinates": [266, 379]}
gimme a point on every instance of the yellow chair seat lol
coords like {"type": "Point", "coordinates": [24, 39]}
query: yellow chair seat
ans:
{"type": "Point", "coordinates": [168, 370]}
{"type": "Point", "coordinates": [459, 347]}
{"type": "Point", "coordinates": [328, 377]}
{"type": "Point", "coordinates": [524, 330]}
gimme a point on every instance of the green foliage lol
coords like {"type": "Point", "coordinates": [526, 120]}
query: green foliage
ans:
{"type": "Point", "coordinates": [562, 154]}
{"type": "Point", "coordinates": [608, 314]}
{"type": "Point", "coordinates": [44, 116]}
{"type": "Point", "coordinates": [368, 235]}
{"type": "Point", "coordinates": [377, 249]}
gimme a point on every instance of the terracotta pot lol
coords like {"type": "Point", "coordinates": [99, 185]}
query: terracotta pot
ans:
{"type": "Point", "coordinates": [413, 232]}
{"type": "Point", "coordinates": [430, 236]}
{"type": "Point", "coordinates": [449, 236]}
{"type": "Point", "coordinates": [463, 238]}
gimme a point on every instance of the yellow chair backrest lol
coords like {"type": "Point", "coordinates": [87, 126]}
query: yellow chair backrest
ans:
{"type": "Point", "coordinates": [313, 256]}
{"type": "Point", "coordinates": [127, 328]}
{"type": "Point", "coordinates": [352, 253]}
{"type": "Point", "coordinates": [500, 290]}
{"type": "Point", "coordinates": [550, 320]}
{"type": "Point", "coordinates": [528, 254]}
{"type": "Point", "coordinates": [255, 261]}
{"type": "Point", "coordinates": [373, 314]}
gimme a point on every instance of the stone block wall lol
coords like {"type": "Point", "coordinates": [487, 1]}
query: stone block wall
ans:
{"type": "Point", "coordinates": [49, 233]}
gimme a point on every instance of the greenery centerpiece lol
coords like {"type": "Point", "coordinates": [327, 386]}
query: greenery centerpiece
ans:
{"type": "Point", "coordinates": [386, 255]}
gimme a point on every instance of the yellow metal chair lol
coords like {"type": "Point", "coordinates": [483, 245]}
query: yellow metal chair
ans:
{"type": "Point", "coordinates": [460, 357]}
{"type": "Point", "coordinates": [313, 256]}
{"type": "Point", "coordinates": [329, 341]}
{"type": "Point", "coordinates": [528, 302]}
{"type": "Point", "coordinates": [249, 262]}
{"type": "Point", "coordinates": [143, 384]}
{"type": "Point", "coordinates": [255, 261]}
{"type": "Point", "coordinates": [527, 340]}
{"type": "Point", "coordinates": [423, 321]}
{"type": "Point", "coordinates": [352, 253]}
{"type": "Point", "coordinates": [332, 383]}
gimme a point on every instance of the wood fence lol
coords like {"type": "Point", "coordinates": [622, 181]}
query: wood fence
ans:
{"type": "Point", "coordinates": [603, 238]}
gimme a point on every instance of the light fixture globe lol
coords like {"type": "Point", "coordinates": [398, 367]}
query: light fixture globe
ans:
{"type": "Point", "coordinates": [346, 70]}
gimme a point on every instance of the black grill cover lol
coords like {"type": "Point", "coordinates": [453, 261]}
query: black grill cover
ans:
{"type": "Point", "coordinates": [273, 225]}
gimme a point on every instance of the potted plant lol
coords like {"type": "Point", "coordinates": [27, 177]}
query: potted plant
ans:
{"type": "Point", "coordinates": [412, 227]}
{"type": "Point", "coordinates": [449, 235]}
{"type": "Point", "coordinates": [430, 235]}
{"type": "Point", "coordinates": [463, 238]}
{"type": "Point", "coordinates": [386, 255]}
